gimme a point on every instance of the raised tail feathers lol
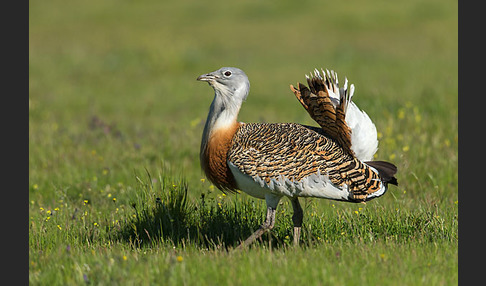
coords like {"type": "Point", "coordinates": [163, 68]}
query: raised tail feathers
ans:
{"type": "Point", "coordinates": [327, 105]}
{"type": "Point", "coordinates": [332, 108]}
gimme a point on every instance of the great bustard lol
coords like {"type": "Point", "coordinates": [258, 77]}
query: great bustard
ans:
{"type": "Point", "coordinates": [273, 160]}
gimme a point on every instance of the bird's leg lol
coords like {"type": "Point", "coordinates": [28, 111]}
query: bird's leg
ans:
{"type": "Point", "coordinates": [267, 225]}
{"type": "Point", "coordinates": [297, 219]}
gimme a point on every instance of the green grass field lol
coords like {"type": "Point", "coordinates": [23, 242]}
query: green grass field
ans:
{"type": "Point", "coordinates": [116, 193]}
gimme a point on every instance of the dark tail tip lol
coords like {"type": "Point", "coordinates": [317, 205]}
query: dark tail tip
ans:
{"type": "Point", "coordinates": [393, 181]}
{"type": "Point", "coordinates": [386, 171]}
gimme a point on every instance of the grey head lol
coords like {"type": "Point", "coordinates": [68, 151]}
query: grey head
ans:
{"type": "Point", "coordinates": [229, 82]}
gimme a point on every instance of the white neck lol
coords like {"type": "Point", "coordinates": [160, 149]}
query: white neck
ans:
{"type": "Point", "coordinates": [223, 111]}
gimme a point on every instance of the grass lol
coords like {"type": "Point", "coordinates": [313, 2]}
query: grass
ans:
{"type": "Point", "coordinates": [167, 237]}
{"type": "Point", "coordinates": [115, 120]}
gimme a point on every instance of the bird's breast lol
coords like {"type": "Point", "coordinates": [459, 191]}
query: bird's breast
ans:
{"type": "Point", "coordinates": [214, 154]}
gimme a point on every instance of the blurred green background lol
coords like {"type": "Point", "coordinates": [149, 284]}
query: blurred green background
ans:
{"type": "Point", "coordinates": [131, 66]}
{"type": "Point", "coordinates": [113, 95]}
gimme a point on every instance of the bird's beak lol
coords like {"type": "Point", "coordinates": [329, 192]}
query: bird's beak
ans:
{"type": "Point", "coordinates": [207, 77]}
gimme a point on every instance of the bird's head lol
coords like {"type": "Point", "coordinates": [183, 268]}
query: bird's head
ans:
{"type": "Point", "coordinates": [231, 83]}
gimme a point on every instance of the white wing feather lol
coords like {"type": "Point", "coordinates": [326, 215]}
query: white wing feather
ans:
{"type": "Point", "coordinates": [364, 138]}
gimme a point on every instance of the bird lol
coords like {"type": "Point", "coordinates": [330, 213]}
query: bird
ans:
{"type": "Point", "coordinates": [274, 160]}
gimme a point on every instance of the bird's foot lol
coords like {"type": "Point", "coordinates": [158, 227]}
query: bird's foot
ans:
{"type": "Point", "coordinates": [266, 226]}
{"type": "Point", "coordinates": [296, 235]}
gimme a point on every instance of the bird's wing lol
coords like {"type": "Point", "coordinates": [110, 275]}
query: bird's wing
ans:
{"type": "Point", "coordinates": [364, 137]}
{"type": "Point", "coordinates": [290, 153]}
{"type": "Point", "coordinates": [327, 105]}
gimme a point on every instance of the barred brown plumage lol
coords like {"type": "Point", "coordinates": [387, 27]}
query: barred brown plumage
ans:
{"type": "Point", "coordinates": [317, 102]}
{"type": "Point", "coordinates": [273, 160]}
{"type": "Point", "coordinates": [265, 150]}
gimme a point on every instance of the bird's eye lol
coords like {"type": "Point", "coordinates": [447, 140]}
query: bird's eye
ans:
{"type": "Point", "coordinates": [227, 73]}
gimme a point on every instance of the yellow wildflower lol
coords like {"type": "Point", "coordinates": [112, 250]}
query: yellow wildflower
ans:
{"type": "Point", "coordinates": [401, 113]}
{"type": "Point", "coordinates": [180, 258]}
{"type": "Point", "coordinates": [195, 122]}
{"type": "Point", "coordinates": [418, 118]}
